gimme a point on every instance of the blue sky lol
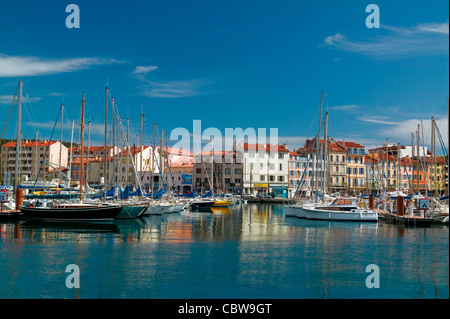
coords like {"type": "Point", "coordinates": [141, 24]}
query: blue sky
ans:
{"type": "Point", "coordinates": [259, 64]}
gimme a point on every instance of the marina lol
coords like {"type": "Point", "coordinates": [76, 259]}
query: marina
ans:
{"type": "Point", "coordinates": [225, 158]}
{"type": "Point", "coordinates": [191, 255]}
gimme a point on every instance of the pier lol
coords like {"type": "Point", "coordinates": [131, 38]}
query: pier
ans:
{"type": "Point", "coordinates": [400, 218]}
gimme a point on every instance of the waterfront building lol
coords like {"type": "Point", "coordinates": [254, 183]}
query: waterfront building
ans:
{"type": "Point", "coordinates": [181, 175]}
{"type": "Point", "coordinates": [93, 152]}
{"type": "Point", "coordinates": [337, 167]}
{"type": "Point", "coordinates": [355, 167]}
{"type": "Point", "coordinates": [297, 180]}
{"type": "Point", "coordinates": [219, 171]}
{"type": "Point", "coordinates": [322, 174]}
{"type": "Point", "coordinates": [265, 169]}
{"type": "Point", "coordinates": [381, 173]}
{"type": "Point", "coordinates": [51, 154]}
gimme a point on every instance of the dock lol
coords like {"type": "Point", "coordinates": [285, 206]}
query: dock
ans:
{"type": "Point", "coordinates": [407, 220]}
{"type": "Point", "coordinates": [276, 200]}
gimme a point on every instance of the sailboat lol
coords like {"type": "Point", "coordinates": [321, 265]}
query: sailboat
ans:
{"type": "Point", "coordinates": [73, 211]}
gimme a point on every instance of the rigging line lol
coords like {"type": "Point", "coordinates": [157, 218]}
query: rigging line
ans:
{"type": "Point", "coordinates": [6, 123]}
{"type": "Point", "coordinates": [28, 102]}
{"type": "Point", "coordinates": [48, 146]}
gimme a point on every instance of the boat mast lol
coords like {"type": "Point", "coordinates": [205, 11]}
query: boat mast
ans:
{"type": "Point", "coordinates": [114, 144]}
{"type": "Point", "coordinates": [418, 156]}
{"type": "Point", "coordinates": [106, 142]}
{"type": "Point", "coordinates": [88, 150]}
{"type": "Point", "coordinates": [325, 151]}
{"type": "Point", "coordinates": [60, 144]}
{"type": "Point", "coordinates": [71, 154]}
{"type": "Point", "coordinates": [317, 147]}
{"type": "Point", "coordinates": [141, 175]}
{"type": "Point", "coordinates": [433, 143]}
{"type": "Point", "coordinates": [18, 136]}
{"type": "Point", "coordinates": [36, 158]}
{"type": "Point", "coordinates": [127, 143]}
{"type": "Point", "coordinates": [153, 159]}
{"type": "Point", "coordinates": [82, 146]}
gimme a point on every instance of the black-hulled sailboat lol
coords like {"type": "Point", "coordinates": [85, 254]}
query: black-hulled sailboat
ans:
{"type": "Point", "coordinates": [78, 211]}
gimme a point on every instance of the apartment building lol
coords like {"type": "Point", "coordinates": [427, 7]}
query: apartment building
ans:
{"type": "Point", "coordinates": [182, 174]}
{"type": "Point", "coordinates": [266, 169]}
{"type": "Point", "coordinates": [337, 167]}
{"type": "Point", "coordinates": [355, 167]}
{"type": "Point", "coordinates": [51, 154]}
{"type": "Point", "coordinates": [219, 171]}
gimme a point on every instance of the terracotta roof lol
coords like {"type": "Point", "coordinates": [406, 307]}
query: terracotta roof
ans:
{"type": "Point", "coordinates": [176, 151]}
{"type": "Point", "coordinates": [29, 143]}
{"type": "Point", "coordinates": [216, 153]}
{"type": "Point", "coordinates": [265, 147]}
{"type": "Point", "coordinates": [350, 144]}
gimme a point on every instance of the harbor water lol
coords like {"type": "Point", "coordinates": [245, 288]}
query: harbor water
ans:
{"type": "Point", "coordinates": [248, 251]}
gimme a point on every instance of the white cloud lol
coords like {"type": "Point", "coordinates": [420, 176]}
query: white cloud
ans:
{"type": "Point", "coordinates": [344, 107]}
{"type": "Point", "coordinates": [7, 99]}
{"type": "Point", "coordinates": [423, 39]}
{"type": "Point", "coordinates": [166, 89]}
{"type": "Point", "coordinates": [173, 89]}
{"type": "Point", "coordinates": [404, 129]}
{"type": "Point", "coordinates": [434, 27]}
{"type": "Point", "coordinates": [144, 69]}
{"type": "Point", "coordinates": [14, 66]}
{"type": "Point", "coordinates": [376, 119]}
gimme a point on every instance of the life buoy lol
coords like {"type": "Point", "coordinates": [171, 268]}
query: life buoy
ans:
{"type": "Point", "coordinates": [31, 205]}
{"type": "Point", "coordinates": [362, 205]}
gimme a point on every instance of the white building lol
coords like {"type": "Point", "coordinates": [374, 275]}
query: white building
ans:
{"type": "Point", "coordinates": [265, 168]}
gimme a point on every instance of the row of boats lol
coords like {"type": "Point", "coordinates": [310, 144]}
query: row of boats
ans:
{"type": "Point", "coordinates": [97, 210]}
{"type": "Point", "coordinates": [357, 209]}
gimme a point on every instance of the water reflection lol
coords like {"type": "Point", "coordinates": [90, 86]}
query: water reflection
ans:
{"type": "Point", "coordinates": [248, 251]}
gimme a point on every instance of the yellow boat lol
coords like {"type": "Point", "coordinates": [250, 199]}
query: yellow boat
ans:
{"type": "Point", "coordinates": [222, 203]}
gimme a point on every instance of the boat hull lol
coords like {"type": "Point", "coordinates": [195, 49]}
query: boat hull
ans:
{"type": "Point", "coordinates": [202, 205]}
{"type": "Point", "coordinates": [222, 203]}
{"type": "Point", "coordinates": [102, 213]}
{"type": "Point", "coordinates": [360, 215]}
{"type": "Point", "coordinates": [130, 212]}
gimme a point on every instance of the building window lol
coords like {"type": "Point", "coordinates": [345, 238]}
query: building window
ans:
{"type": "Point", "coordinates": [271, 178]}
{"type": "Point", "coordinates": [281, 167]}
{"type": "Point", "coordinates": [237, 171]}
{"type": "Point", "coordinates": [331, 158]}
{"type": "Point", "coordinates": [262, 178]}
{"type": "Point", "coordinates": [280, 156]}
{"type": "Point", "coordinates": [199, 170]}
{"type": "Point", "coordinates": [281, 178]}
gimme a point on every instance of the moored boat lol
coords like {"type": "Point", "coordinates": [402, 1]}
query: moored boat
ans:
{"type": "Point", "coordinates": [203, 204]}
{"type": "Point", "coordinates": [222, 203]}
{"type": "Point", "coordinates": [343, 209]}
{"type": "Point", "coordinates": [71, 213]}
